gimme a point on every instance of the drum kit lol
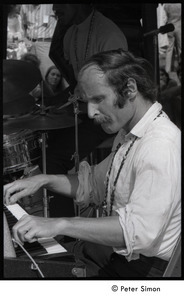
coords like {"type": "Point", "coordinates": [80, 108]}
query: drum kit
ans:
{"type": "Point", "coordinates": [25, 126]}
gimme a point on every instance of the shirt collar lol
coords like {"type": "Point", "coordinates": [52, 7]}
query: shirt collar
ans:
{"type": "Point", "coordinates": [140, 128]}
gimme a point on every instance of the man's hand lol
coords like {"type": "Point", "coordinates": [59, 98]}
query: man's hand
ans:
{"type": "Point", "coordinates": [18, 189]}
{"type": "Point", "coordinates": [29, 228]}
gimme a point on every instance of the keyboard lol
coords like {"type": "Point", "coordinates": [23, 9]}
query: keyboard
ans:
{"type": "Point", "coordinates": [43, 246]}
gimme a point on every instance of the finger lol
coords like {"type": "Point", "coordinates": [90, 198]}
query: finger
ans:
{"type": "Point", "coordinates": [18, 234]}
{"type": "Point", "coordinates": [30, 235]}
{"type": "Point", "coordinates": [20, 228]}
{"type": "Point", "coordinates": [9, 189]}
{"type": "Point", "coordinates": [6, 188]}
{"type": "Point", "coordinates": [17, 196]}
{"type": "Point", "coordinates": [25, 230]}
{"type": "Point", "coordinates": [15, 191]}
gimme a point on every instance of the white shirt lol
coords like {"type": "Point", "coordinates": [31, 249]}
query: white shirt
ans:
{"type": "Point", "coordinates": [148, 191]}
{"type": "Point", "coordinates": [104, 35]}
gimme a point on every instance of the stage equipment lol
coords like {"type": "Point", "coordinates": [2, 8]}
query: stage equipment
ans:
{"type": "Point", "coordinates": [163, 29]}
{"type": "Point", "coordinates": [19, 79]}
{"type": "Point", "coordinates": [42, 118]}
{"type": "Point", "coordinates": [45, 258]}
{"type": "Point", "coordinates": [20, 150]}
{"type": "Point", "coordinates": [19, 76]}
{"type": "Point", "coordinates": [39, 121]}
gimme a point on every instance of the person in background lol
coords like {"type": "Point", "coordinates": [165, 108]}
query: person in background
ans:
{"type": "Point", "coordinates": [166, 84]}
{"type": "Point", "coordinates": [53, 88]}
{"type": "Point", "coordinates": [54, 80]}
{"type": "Point", "coordinates": [170, 95]}
{"type": "Point", "coordinates": [15, 34]}
{"type": "Point", "coordinates": [173, 14]}
{"type": "Point", "coordinates": [39, 23]}
{"type": "Point", "coordinates": [53, 84]}
{"type": "Point", "coordinates": [162, 38]}
{"type": "Point", "coordinates": [165, 81]}
{"type": "Point", "coordinates": [31, 58]}
{"type": "Point", "coordinates": [80, 32]}
{"type": "Point", "coordinates": [138, 186]}
{"type": "Point", "coordinates": [14, 30]}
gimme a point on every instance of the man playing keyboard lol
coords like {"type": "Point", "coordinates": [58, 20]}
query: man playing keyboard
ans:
{"type": "Point", "coordinates": [138, 186]}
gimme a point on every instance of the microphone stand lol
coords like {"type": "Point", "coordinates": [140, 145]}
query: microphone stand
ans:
{"type": "Point", "coordinates": [156, 61]}
{"type": "Point", "coordinates": [45, 198]}
{"type": "Point", "coordinates": [155, 44]}
{"type": "Point", "coordinates": [74, 99]}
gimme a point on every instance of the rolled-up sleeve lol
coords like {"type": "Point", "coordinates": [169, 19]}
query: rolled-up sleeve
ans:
{"type": "Point", "coordinates": [92, 179]}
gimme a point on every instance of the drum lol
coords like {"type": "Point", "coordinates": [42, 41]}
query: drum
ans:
{"type": "Point", "coordinates": [20, 149]}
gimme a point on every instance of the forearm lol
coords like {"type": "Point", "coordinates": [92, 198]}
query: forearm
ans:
{"type": "Point", "coordinates": [62, 184]}
{"type": "Point", "coordinates": [66, 185]}
{"type": "Point", "coordinates": [105, 231]}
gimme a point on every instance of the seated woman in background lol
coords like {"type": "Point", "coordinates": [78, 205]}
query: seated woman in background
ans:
{"type": "Point", "coordinates": [54, 80]}
{"type": "Point", "coordinates": [54, 86]}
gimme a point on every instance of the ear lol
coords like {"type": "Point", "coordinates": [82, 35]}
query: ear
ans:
{"type": "Point", "coordinates": [131, 88]}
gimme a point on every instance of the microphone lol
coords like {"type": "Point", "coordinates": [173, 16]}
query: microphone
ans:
{"type": "Point", "coordinates": [163, 29]}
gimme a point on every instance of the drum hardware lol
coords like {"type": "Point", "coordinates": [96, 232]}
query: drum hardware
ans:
{"type": "Point", "coordinates": [32, 204]}
{"type": "Point", "coordinates": [45, 198]}
{"type": "Point", "coordinates": [74, 99]}
{"type": "Point", "coordinates": [20, 149]}
{"type": "Point", "coordinates": [64, 105]}
{"type": "Point", "coordinates": [19, 79]}
{"type": "Point", "coordinates": [39, 120]}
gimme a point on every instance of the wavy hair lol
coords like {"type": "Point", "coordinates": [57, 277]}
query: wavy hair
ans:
{"type": "Point", "coordinates": [119, 66]}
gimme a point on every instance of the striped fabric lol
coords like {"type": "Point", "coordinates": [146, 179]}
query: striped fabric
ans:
{"type": "Point", "coordinates": [39, 20]}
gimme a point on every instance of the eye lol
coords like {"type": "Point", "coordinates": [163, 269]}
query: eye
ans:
{"type": "Point", "coordinates": [98, 99]}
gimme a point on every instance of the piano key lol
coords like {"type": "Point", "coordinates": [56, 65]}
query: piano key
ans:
{"type": "Point", "coordinates": [33, 248]}
{"type": "Point", "coordinates": [43, 246]}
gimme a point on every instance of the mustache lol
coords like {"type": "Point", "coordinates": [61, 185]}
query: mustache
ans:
{"type": "Point", "coordinates": [102, 119]}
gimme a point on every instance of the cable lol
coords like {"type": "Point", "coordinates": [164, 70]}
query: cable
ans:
{"type": "Point", "coordinates": [30, 257]}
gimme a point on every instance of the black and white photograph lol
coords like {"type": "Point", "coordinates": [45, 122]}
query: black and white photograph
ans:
{"type": "Point", "coordinates": [91, 128]}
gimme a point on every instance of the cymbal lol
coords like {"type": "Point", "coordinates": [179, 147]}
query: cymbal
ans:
{"type": "Point", "coordinates": [40, 122]}
{"type": "Point", "coordinates": [19, 79]}
{"type": "Point", "coordinates": [22, 105]}
{"type": "Point", "coordinates": [9, 129]}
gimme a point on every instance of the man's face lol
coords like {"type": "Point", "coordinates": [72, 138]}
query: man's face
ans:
{"type": "Point", "coordinates": [66, 12]}
{"type": "Point", "coordinates": [101, 100]}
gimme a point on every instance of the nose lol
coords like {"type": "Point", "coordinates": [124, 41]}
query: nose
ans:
{"type": "Point", "coordinates": [55, 77]}
{"type": "Point", "coordinates": [92, 110]}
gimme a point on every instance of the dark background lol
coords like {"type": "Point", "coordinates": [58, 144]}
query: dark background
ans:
{"type": "Point", "coordinates": [127, 16]}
